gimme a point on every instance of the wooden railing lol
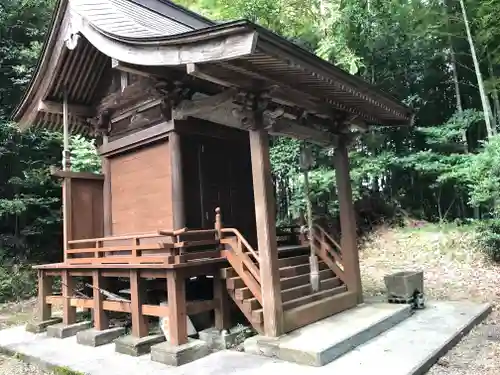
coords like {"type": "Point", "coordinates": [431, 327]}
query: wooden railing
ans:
{"type": "Point", "coordinates": [161, 247]}
{"type": "Point", "coordinates": [241, 255]}
{"type": "Point", "coordinates": [328, 250]}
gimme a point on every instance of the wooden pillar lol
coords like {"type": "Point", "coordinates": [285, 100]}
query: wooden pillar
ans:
{"type": "Point", "coordinates": [137, 298]}
{"type": "Point", "coordinates": [101, 321]}
{"type": "Point", "coordinates": [44, 290]}
{"type": "Point", "coordinates": [350, 253]}
{"type": "Point", "coordinates": [266, 233]}
{"type": "Point", "coordinates": [179, 216]}
{"type": "Point", "coordinates": [177, 325]}
{"type": "Point", "coordinates": [68, 287]}
{"type": "Point", "coordinates": [221, 297]}
{"type": "Point", "coordinates": [106, 192]}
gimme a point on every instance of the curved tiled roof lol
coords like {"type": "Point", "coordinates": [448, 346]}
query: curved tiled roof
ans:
{"type": "Point", "coordinates": [162, 34]}
{"type": "Point", "coordinates": [126, 19]}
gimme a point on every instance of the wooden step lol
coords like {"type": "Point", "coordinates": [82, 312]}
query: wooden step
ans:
{"type": "Point", "coordinates": [294, 287]}
{"type": "Point", "coordinates": [258, 315]}
{"type": "Point", "coordinates": [301, 290]}
{"type": "Point", "coordinates": [293, 261]}
{"type": "Point", "coordinates": [300, 269]}
{"type": "Point", "coordinates": [291, 282]}
{"type": "Point", "coordinates": [292, 293]}
{"type": "Point", "coordinates": [234, 283]}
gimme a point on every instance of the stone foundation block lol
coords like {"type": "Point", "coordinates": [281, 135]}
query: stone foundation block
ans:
{"type": "Point", "coordinates": [39, 327]}
{"type": "Point", "coordinates": [61, 330]}
{"type": "Point", "coordinates": [221, 340]}
{"type": "Point", "coordinates": [93, 337]}
{"type": "Point", "coordinates": [135, 346]}
{"type": "Point", "coordinates": [178, 355]}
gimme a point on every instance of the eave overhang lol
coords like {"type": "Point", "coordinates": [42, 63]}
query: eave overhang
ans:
{"type": "Point", "coordinates": [238, 54]}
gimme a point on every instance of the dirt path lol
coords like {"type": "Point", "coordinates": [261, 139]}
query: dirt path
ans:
{"type": "Point", "coordinates": [454, 269]}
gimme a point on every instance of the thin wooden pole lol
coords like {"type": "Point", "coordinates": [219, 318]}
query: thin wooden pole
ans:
{"type": "Point", "coordinates": [66, 185]}
{"type": "Point", "coordinates": [266, 233]}
{"type": "Point", "coordinates": [177, 314]}
{"type": "Point", "coordinates": [350, 254]}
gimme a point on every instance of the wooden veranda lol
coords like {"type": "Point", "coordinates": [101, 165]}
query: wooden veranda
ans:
{"type": "Point", "coordinates": [182, 110]}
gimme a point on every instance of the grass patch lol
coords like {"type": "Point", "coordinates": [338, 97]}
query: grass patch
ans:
{"type": "Point", "coordinates": [61, 370]}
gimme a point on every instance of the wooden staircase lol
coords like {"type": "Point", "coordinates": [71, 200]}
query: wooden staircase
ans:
{"type": "Point", "coordinates": [243, 280]}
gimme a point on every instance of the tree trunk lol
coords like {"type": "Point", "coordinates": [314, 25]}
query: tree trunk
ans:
{"type": "Point", "coordinates": [494, 92]}
{"type": "Point", "coordinates": [482, 92]}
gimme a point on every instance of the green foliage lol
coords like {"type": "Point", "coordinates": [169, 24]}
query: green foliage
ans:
{"type": "Point", "coordinates": [489, 237]}
{"type": "Point", "coordinates": [84, 156]}
{"type": "Point", "coordinates": [17, 283]}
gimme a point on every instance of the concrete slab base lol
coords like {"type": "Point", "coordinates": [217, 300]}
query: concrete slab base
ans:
{"type": "Point", "coordinates": [227, 339]}
{"type": "Point", "coordinates": [178, 355]}
{"type": "Point", "coordinates": [39, 327]}
{"type": "Point", "coordinates": [322, 342]}
{"type": "Point", "coordinates": [134, 346]}
{"type": "Point", "coordinates": [61, 330]}
{"type": "Point", "coordinates": [409, 348]}
{"type": "Point", "coordinates": [93, 337]}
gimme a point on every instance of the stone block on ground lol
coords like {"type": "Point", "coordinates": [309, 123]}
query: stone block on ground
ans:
{"type": "Point", "coordinates": [135, 346]}
{"type": "Point", "coordinates": [93, 337]}
{"type": "Point", "coordinates": [178, 355]}
{"type": "Point", "coordinates": [39, 327]}
{"type": "Point", "coordinates": [61, 330]}
{"type": "Point", "coordinates": [217, 339]}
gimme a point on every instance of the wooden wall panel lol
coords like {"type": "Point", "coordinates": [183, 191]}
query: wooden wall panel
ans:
{"type": "Point", "coordinates": [87, 216]}
{"type": "Point", "coordinates": [141, 191]}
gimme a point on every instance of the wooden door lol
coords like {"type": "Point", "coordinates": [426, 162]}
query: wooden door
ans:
{"type": "Point", "coordinates": [216, 180]}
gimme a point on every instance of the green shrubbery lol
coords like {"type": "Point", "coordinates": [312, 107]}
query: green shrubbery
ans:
{"type": "Point", "coordinates": [17, 283]}
{"type": "Point", "coordinates": [489, 237]}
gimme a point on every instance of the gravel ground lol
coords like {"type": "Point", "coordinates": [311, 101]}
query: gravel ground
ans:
{"type": "Point", "coordinates": [454, 269]}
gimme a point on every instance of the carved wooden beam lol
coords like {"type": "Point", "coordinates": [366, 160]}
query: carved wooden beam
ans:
{"type": "Point", "coordinates": [144, 71]}
{"type": "Point", "coordinates": [209, 103]}
{"type": "Point", "coordinates": [73, 109]}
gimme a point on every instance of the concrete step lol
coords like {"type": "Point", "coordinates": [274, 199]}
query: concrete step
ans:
{"type": "Point", "coordinates": [347, 330]}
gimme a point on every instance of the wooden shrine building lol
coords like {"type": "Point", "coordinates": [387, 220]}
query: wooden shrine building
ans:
{"type": "Point", "coordinates": [182, 109]}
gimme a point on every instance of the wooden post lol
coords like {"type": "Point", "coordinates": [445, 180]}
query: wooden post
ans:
{"type": "Point", "coordinates": [179, 216]}
{"type": "Point", "coordinates": [44, 290]}
{"type": "Point", "coordinates": [137, 298]}
{"type": "Point", "coordinates": [266, 233]}
{"type": "Point", "coordinates": [106, 192]}
{"type": "Point", "coordinates": [221, 297]}
{"type": "Point", "coordinates": [177, 325]}
{"type": "Point", "coordinates": [101, 321]}
{"type": "Point", "coordinates": [68, 287]}
{"type": "Point", "coordinates": [66, 186]}
{"type": "Point", "coordinates": [348, 241]}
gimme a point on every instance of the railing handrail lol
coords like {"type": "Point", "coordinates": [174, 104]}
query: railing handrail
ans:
{"type": "Point", "coordinates": [124, 237]}
{"type": "Point", "coordinates": [242, 240]}
{"type": "Point", "coordinates": [330, 238]}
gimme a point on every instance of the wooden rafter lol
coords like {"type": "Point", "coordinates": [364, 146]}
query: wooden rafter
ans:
{"type": "Point", "coordinates": [76, 110]}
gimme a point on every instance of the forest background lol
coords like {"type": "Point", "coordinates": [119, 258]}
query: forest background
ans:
{"type": "Point", "coordinates": [441, 57]}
